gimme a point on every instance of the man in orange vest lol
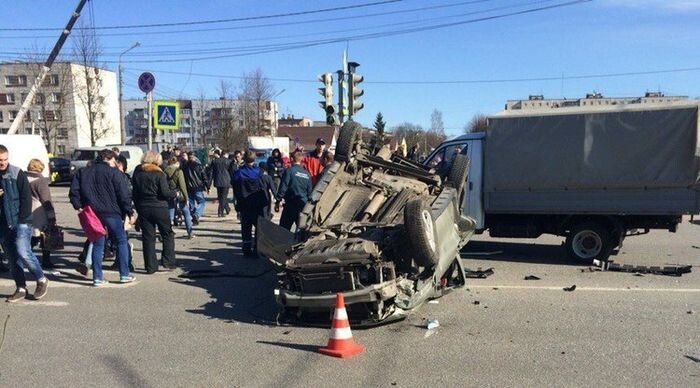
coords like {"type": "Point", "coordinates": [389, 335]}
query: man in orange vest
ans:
{"type": "Point", "coordinates": [312, 160]}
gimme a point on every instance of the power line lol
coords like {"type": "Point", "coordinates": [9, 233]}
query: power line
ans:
{"type": "Point", "coordinates": [280, 24]}
{"type": "Point", "coordinates": [451, 82]}
{"type": "Point", "coordinates": [306, 44]}
{"type": "Point", "coordinates": [218, 21]}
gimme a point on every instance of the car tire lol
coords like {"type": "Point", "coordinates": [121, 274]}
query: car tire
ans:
{"type": "Point", "coordinates": [349, 134]}
{"type": "Point", "coordinates": [421, 233]}
{"type": "Point", "coordinates": [589, 241]}
{"type": "Point", "coordinates": [459, 172]}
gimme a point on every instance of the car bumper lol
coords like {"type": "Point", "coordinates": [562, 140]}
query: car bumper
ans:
{"type": "Point", "coordinates": [374, 293]}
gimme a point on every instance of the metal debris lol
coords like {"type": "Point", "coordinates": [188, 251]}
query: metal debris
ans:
{"type": "Point", "coordinates": [569, 289]}
{"type": "Point", "coordinates": [531, 277]}
{"type": "Point", "coordinates": [692, 358]}
{"type": "Point", "coordinates": [478, 273]}
{"type": "Point", "coordinates": [674, 270]}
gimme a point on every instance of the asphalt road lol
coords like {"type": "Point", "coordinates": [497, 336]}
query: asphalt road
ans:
{"type": "Point", "coordinates": [615, 329]}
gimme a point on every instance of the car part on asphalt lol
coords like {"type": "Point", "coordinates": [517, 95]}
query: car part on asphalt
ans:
{"type": "Point", "coordinates": [478, 274]}
{"type": "Point", "coordinates": [569, 289]}
{"type": "Point", "coordinates": [673, 270]}
{"type": "Point", "coordinates": [383, 230]}
{"type": "Point", "coordinates": [531, 277]}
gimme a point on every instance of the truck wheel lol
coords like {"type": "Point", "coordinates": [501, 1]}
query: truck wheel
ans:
{"type": "Point", "coordinates": [420, 229]}
{"type": "Point", "coordinates": [349, 135]}
{"type": "Point", "coordinates": [459, 172]}
{"type": "Point", "coordinates": [589, 241]}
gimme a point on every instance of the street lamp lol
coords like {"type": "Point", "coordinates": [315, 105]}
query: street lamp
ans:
{"type": "Point", "coordinates": [275, 125]}
{"type": "Point", "coordinates": [121, 112]}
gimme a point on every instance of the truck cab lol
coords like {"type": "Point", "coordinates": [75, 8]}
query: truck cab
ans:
{"type": "Point", "coordinates": [472, 145]}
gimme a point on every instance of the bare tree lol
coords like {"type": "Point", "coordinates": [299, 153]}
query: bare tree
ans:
{"type": "Point", "coordinates": [415, 134]}
{"type": "Point", "coordinates": [436, 123]}
{"type": "Point", "coordinates": [88, 84]}
{"type": "Point", "coordinates": [256, 92]}
{"type": "Point", "coordinates": [48, 108]}
{"type": "Point", "coordinates": [202, 119]}
{"type": "Point", "coordinates": [478, 123]}
{"type": "Point", "coordinates": [224, 119]}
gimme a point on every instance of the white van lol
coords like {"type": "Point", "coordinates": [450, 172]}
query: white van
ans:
{"type": "Point", "coordinates": [23, 148]}
{"type": "Point", "coordinates": [81, 156]}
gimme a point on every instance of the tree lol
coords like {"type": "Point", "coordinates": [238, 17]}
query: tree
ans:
{"type": "Point", "coordinates": [48, 108]}
{"type": "Point", "coordinates": [379, 126]}
{"type": "Point", "coordinates": [478, 123]}
{"type": "Point", "coordinates": [88, 82]}
{"type": "Point", "coordinates": [255, 94]}
{"type": "Point", "coordinates": [436, 123]}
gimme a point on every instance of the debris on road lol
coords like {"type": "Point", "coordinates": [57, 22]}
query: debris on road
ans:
{"type": "Point", "coordinates": [569, 289]}
{"type": "Point", "coordinates": [434, 301]}
{"type": "Point", "coordinates": [476, 303]}
{"type": "Point", "coordinates": [531, 277]}
{"type": "Point", "coordinates": [492, 253]}
{"type": "Point", "coordinates": [478, 273]}
{"type": "Point", "coordinates": [692, 358]}
{"type": "Point", "coordinates": [689, 312]}
{"type": "Point", "coordinates": [432, 324]}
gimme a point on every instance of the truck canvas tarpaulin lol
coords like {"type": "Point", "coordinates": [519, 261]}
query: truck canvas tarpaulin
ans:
{"type": "Point", "coordinates": [609, 159]}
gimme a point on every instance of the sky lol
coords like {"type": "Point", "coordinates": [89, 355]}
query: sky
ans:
{"type": "Point", "coordinates": [416, 56]}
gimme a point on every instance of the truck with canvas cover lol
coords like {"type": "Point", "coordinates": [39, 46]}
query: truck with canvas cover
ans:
{"type": "Point", "coordinates": [591, 175]}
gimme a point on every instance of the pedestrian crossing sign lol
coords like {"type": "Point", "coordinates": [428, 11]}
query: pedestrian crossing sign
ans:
{"type": "Point", "coordinates": [166, 114]}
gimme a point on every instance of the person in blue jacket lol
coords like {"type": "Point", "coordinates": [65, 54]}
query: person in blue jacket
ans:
{"type": "Point", "coordinates": [250, 190]}
{"type": "Point", "coordinates": [295, 190]}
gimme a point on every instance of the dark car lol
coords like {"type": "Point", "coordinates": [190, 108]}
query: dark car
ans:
{"type": "Point", "coordinates": [59, 170]}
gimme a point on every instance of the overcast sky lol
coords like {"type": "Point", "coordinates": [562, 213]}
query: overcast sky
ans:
{"type": "Point", "coordinates": [397, 44]}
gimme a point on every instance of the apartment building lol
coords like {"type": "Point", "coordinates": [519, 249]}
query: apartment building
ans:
{"type": "Point", "coordinates": [538, 102]}
{"type": "Point", "coordinates": [59, 112]}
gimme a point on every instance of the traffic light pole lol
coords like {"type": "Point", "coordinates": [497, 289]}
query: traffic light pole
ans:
{"type": "Point", "coordinates": [341, 96]}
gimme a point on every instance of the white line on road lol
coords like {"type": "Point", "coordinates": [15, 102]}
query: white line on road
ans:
{"type": "Point", "coordinates": [48, 303]}
{"type": "Point", "coordinates": [559, 288]}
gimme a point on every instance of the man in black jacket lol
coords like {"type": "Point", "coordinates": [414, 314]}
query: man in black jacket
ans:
{"type": "Point", "coordinates": [197, 183]}
{"type": "Point", "coordinates": [221, 179]}
{"type": "Point", "coordinates": [295, 189]}
{"type": "Point", "coordinates": [103, 187]}
{"type": "Point", "coordinates": [16, 228]}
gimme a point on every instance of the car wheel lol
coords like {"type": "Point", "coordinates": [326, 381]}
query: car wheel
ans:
{"type": "Point", "coordinates": [459, 172]}
{"type": "Point", "coordinates": [589, 241]}
{"type": "Point", "coordinates": [349, 134]}
{"type": "Point", "coordinates": [420, 229]}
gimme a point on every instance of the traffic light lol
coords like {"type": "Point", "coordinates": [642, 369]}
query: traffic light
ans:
{"type": "Point", "coordinates": [355, 92]}
{"type": "Point", "coordinates": [326, 91]}
{"type": "Point", "coordinates": [330, 115]}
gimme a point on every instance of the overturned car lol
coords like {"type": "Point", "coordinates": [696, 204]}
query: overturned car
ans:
{"type": "Point", "coordinates": [381, 229]}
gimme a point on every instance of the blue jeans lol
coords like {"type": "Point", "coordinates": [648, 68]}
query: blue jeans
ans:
{"type": "Point", "coordinates": [17, 244]}
{"type": "Point", "coordinates": [197, 202]}
{"type": "Point", "coordinates": [185, 209]}
{"type": "Point", "coordinates": [116, 232]}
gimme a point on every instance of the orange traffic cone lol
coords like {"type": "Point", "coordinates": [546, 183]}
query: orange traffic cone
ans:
{"type": "Point", "coordinates": [340, 343]}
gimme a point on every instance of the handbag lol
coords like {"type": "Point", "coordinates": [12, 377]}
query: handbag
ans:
{"type": "Point", "coordinates": [91, 224]}
{"type": "Point", "coordinates": [53, 238]}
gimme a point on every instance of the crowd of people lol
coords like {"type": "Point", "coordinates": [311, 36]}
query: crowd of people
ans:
{"type": "Point", "coordinates": [165, 190]}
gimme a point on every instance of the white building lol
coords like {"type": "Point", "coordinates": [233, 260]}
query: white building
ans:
{"type": "Point", "coordinates": [538, 102]}
{"type": "Point", "coordinates": [59, 112]}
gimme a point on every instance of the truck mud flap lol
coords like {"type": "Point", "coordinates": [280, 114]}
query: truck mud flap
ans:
{"type": "Point", "coordinates": [675, 270]}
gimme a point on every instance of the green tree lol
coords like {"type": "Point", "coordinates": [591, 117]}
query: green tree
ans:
{"type": "Point", "coordinates": [379, 125]}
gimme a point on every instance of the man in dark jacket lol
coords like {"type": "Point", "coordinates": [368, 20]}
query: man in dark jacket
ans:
{"type": "Point", "coordinates": [275, 167]}
{"type": "Point", "coordinates": [295, 189]}
{"type": "Point", "coordinates": [221, 179]}
{"type": "Point", "coordinates": [197, 183]}
{"type": "Point", "coordinates": [103, 187]}
{"type": "Point", "coordinates": [16, 228]}
{"type": "Point", "coordinates": [251, 199]}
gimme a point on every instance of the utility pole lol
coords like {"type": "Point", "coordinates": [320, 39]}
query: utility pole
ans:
{"type": "Point", "coordinates": [149, 99]}
{"type": "Point", "coordinates": [341, 96]}
{"type": "Point", "coordinates": [121, 110]}
{"type": "Point", "coordinates": [45, 69]}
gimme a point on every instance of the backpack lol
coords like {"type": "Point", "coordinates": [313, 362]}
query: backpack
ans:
{"type": "Point", "coordinates": [173, 184]}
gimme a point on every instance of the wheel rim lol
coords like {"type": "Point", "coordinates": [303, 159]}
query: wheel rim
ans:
{"type": "Point", "coordinates": [428, 227]}
{"type": "Point", "coordinates": [587, 244]}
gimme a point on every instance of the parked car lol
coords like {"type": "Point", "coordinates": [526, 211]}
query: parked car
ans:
{"type": "Point", "coordinates": [81, 156]}
{"type": "Point", "coordinates": [383, 230]}
{"type": "Point", "coordinates": [59, 170]}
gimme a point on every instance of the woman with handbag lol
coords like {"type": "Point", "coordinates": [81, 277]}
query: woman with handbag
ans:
{"type": "Point", "coordinates": [43, 214]}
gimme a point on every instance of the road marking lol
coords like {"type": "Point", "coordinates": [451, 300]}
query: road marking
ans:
{"type": "Point", "coordinates": [578, 288]}
{"type": "Point", "coordinates": [60, 283]}
{"type": "Point", "coordinates": [49, 303]}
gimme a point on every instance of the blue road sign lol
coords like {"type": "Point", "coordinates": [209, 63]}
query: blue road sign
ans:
{"type": "Point", "coordinates": [147, 82]}
{"type": "Point", "coordinates": [167, 115]}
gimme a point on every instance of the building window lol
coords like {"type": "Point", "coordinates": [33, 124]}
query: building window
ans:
{"type": "Point", "coordinates": [7, 99]}
{"type": "Point", "coordinates": [40, 98]}
{"type": "Point", "coordinates": [51, 80]}
{"type": "Point", "coordinates": [13, 114]}
{"type": "Point", "coordinates": [15, 80]}
{"type": "Point", "coordinates": [1, 118]}
{"type": "Point", "coordinates": [62, 133]}
{"type": "Point", "coordinates": [61, 149]}
{"type": "Point", "coordinates": [56, 98]}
